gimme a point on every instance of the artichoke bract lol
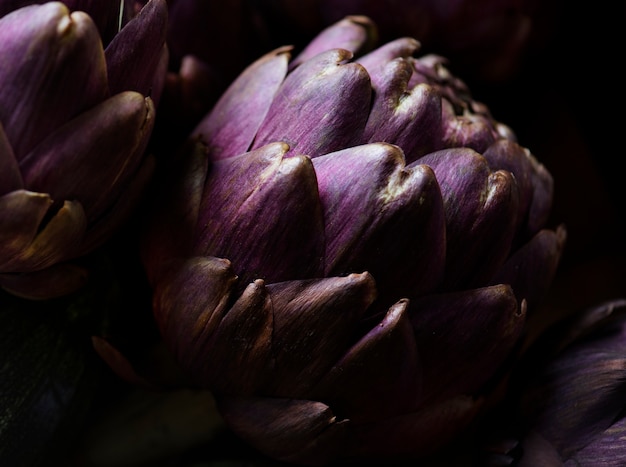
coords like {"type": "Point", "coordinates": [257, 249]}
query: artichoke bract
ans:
{"type": "Point", "coordinates": [348, 249]}
{"type": "Point", "coordinates": [75, 120]}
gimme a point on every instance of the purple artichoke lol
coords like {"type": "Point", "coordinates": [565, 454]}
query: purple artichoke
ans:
{"type": "Point", "coordinates": [569, 394]}
{"type": "Point", "coordinates": [347, 250]}
{"type": "Point", "coordinates": [75, 120]}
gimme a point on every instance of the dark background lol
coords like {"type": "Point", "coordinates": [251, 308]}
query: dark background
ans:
{"type": "Point", "coordinates": [567, 105]}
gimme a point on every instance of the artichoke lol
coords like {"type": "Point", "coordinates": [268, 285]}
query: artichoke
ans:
{"type": "Point", "coordinates": [75, 120]}
{"type": "Point", "coordinates": [346, 250]}
{"type": "Point", "coordinates": [568, 395]}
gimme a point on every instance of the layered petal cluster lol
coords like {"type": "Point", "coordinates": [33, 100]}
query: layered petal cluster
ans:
{"type": "Point", "coordinates": [569, 398]}
{"type": "Point", "coordinates": [75, 120]}
{"type": "Point", "coordinates": [348, 250]}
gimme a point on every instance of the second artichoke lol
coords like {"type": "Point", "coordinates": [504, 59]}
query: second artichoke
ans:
{"type": "Point", "coordinates": [75, 121]}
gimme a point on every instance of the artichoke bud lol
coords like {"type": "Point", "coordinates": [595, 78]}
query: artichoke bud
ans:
{"type": "Point", "coordinates": [69, 105]}
{"type": "Point", "coordinates": [352, 225]}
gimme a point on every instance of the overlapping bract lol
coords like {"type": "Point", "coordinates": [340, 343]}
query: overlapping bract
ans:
{"type": "Point", "coordinates": [75, 120]}
{"type": "Point", "coordinates": [347, 230]}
